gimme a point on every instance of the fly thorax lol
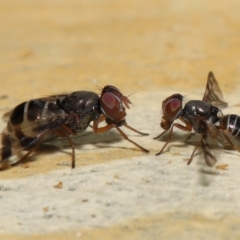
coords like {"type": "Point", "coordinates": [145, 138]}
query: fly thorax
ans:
{"type": "Point", "coordinates": [196, 109]}
{"type": "Point", "coordinates": [216, 114]}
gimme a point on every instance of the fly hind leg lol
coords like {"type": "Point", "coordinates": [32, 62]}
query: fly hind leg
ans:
{"type": "Point", "coordinates": [65, 131]}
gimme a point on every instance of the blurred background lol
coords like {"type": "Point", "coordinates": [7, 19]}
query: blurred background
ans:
{"type": "Point", "coordinates": [56, 46]}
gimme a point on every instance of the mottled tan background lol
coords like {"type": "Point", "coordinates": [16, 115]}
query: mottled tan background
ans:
{"type": "Point", "coordinates": [146, 48]}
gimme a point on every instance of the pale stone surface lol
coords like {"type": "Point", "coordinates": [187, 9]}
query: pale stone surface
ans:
{"type": "Point", "coordinates": [148, 49]}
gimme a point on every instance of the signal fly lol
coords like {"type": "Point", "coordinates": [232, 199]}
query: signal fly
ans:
{"type": "Point", "coordinates": [41, 120]}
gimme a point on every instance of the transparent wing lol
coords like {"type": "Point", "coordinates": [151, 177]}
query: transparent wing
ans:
{"type": "Point", "coordinates": [13, 150]}
{"type": "Point", "coordinates": [212, 143]}
{"type": "Point", "coordinates": [53, 98]}
{"type": "Point", "coordinates": [213, 93]}
{"type": "Point", "coordinates": [6, 116]}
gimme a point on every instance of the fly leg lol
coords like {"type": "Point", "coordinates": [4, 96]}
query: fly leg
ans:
{"type": "Point", "coordinates": [65, 131]}
{"type": "Point", "coordinates": [162, 133]}
{"type": "Point", "coordinates": [134, 130]}
{"type": "Point", "coordinates": [16, 154]}
{"type": "Point", "coordinates": [20, 160]}
{"type": "Point", "coordinates": [96, 122]}
{"type": "Point", "coordinates": [126, 138]}
{"type": "Point", "coordinates": [96, 129]}
{"type": "Point", "coordinates": [191, 157]}
{"type": "Point", "coordinates": [187, 128]}
{"type": "Point", "coordinates": [62, 131]}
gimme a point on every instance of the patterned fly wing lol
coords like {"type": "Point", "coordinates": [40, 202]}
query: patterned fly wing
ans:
{"type": "Point", "coordinates": [213, 93]}
{"type": "Point", "coordinates": [212, 141]}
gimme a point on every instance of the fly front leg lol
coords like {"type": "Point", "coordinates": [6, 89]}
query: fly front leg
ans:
{"type": "Point", "coordinates": [187, 128]}
{"type": "Point", "coordinates": [135, 130]}
{"type": "Point", "coordinates": [96, 122]}
{"type": "Point", "coordinates": [126, 138]}
{"type": "Point", "coordinates": [96, 129]}
{"type": "Point", "coordinates": [162, 133]}
{"type": "Point", "coordinates": [101, 119]}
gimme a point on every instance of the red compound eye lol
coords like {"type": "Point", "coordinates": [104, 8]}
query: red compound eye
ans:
{"type": "Point", "coordinates": [110, 104]}
{"type": "Point", "coordinates": [111, 101]}
{"type": "Point", "coordinates": [172, 107]}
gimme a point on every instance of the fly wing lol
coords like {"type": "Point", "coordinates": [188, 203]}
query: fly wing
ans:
{"type": "Point", "coordinates": [213, 93]}
{"type": "Point", "coordinates": [12, 149]}
{"type": "Point", "coordinates": [212, 140]}
{"type": "Point", "coordinates": [53, 98]}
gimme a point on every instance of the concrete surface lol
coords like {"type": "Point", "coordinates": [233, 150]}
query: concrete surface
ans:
{"type": "Point", "coordinates": [149, 50]}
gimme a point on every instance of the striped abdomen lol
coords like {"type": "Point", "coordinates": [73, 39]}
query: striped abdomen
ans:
{"type": "Point", "coordinates": [26, 126]}
{"type": "Point", "coordinates": [27, 118]}
{"type": "Point", "coordinates": [231, 123]}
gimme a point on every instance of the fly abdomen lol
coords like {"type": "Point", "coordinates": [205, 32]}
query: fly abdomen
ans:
{"type": "Point", "coordinates": [231, 123]}
{"type": "Point", "coordinates": [25, 129]}
{"type": "Point", "coordinates": [34, 111]}
{"type": "Point", "coordinates": [27, 111]}
{"type": "Point", "coordinates": [29, 116]}
{"type": "Point", "coordinates": [22, 120]}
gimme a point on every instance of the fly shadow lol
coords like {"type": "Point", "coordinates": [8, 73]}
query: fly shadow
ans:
{"type": "Point", "coordinates": [98, 140]}
{"type": "Point", "coordinates": [180, 139]}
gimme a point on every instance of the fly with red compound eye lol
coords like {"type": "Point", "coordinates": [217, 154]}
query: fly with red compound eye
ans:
{"type": "Point", "coordinates": [40, 120]}
{"type": "Point", "coordinates": [200, 116]}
